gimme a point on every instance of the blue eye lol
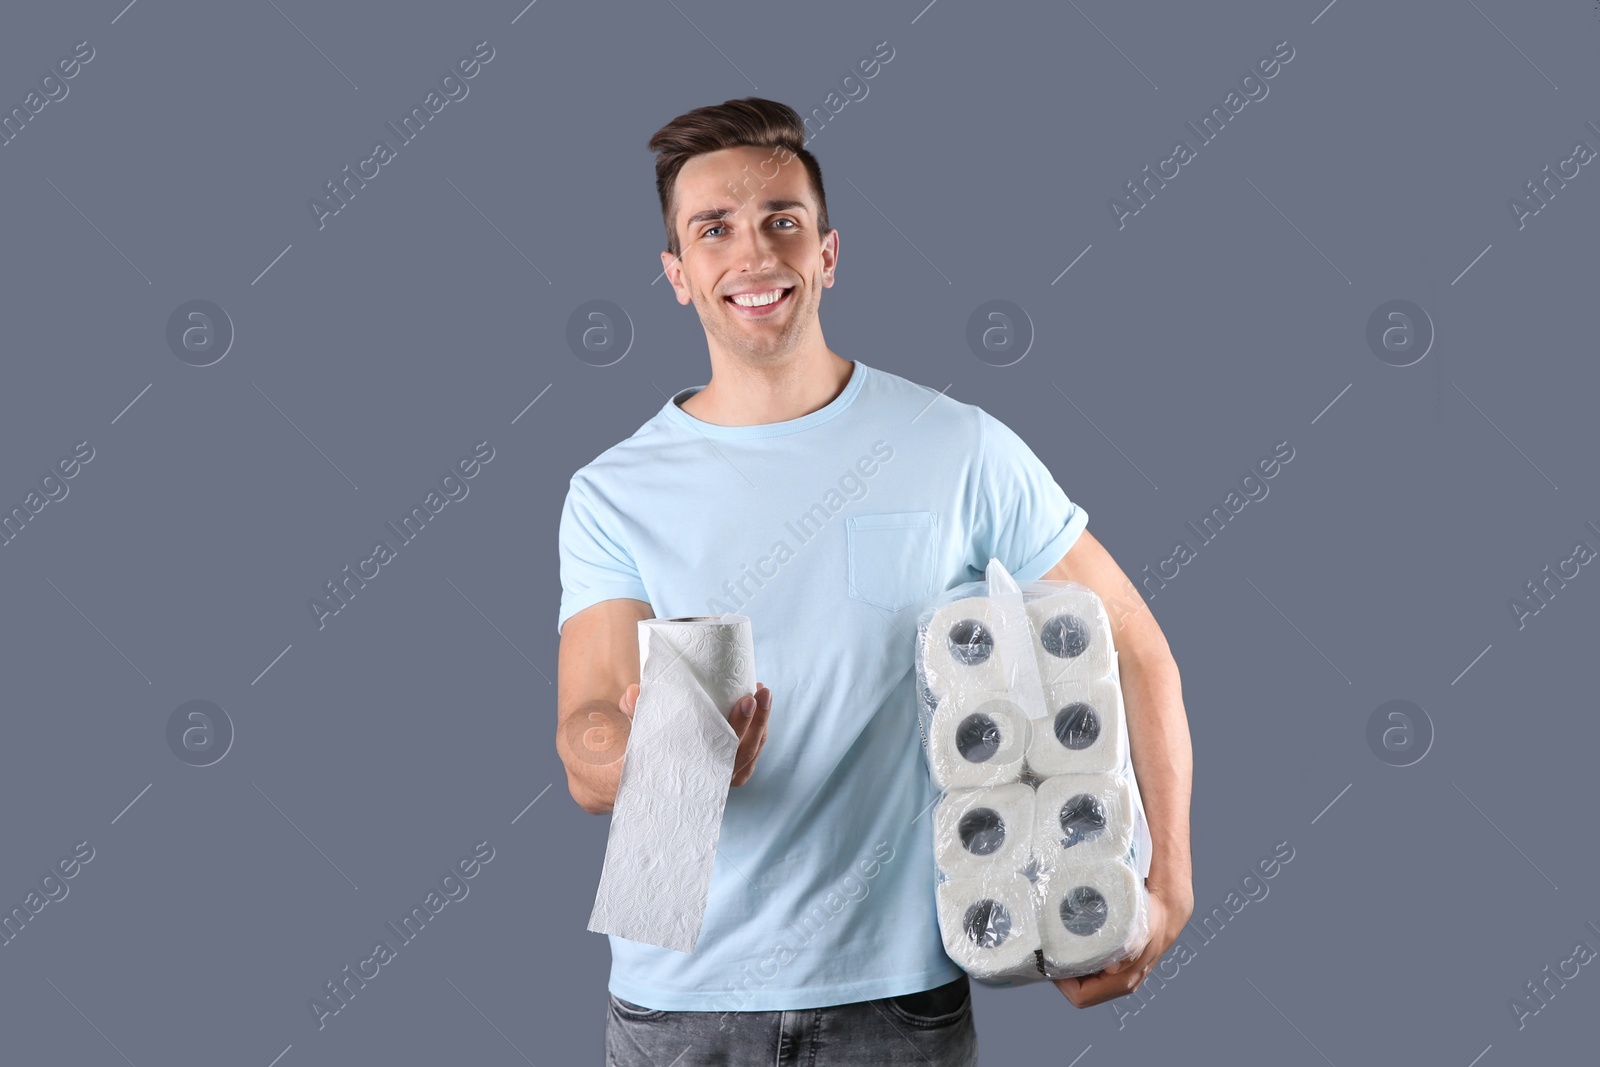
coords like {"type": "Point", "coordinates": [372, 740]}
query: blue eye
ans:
{"type": "Point", "coordinates": [710, 231]}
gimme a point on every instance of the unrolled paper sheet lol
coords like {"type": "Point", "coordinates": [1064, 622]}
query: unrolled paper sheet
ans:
{"type": "Point", "coordinates": [675, 777]}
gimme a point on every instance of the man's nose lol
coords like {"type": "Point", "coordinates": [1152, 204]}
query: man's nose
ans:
{"type": "Point", "coordinates": [755, 249]}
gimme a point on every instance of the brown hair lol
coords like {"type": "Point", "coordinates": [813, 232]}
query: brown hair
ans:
{"type": "Point", "coordinates": [753, 122]}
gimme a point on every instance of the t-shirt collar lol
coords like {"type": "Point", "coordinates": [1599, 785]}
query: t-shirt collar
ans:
{"type": "Point", "coordinates": [680, 417]}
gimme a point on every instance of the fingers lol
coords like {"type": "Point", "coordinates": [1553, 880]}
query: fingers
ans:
{"type": "Point", "coordinates": [743, 711]}
{"type": "Point", "coordinates": [750, 722]}
{"type": "Point", "coordinates": [630, 699]}
{"type": "Point", "coordinates": [743, 722]}
{"type": "Point", "coordinates": [1101, 986]}
{"type": "Point", "coordinates": [762, 714]}
{"type": "Point", "coordinates": [763, 709]}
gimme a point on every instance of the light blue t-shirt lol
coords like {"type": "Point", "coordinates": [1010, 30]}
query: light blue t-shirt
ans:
{"type": "Point", "coordinates": [831, 532]}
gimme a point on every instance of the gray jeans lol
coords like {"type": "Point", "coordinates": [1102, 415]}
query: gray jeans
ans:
{"type": "Point", "coordinates": [928, 1029]}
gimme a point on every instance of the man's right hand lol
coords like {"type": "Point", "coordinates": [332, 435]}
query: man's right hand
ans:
{"type": "Point", "coordinates": [749, 721]}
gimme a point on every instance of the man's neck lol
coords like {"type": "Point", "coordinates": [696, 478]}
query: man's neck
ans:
{"type": "Point", "coordinates": [743, 395]}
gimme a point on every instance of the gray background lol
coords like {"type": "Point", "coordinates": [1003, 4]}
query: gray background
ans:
{"type": "Point", "coordinates": [1225, 317]}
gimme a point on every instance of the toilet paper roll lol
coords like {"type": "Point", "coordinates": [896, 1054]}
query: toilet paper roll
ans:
{"type": "Point", "coordinates": [1082, 818]}
{"type": "Point", "coordinates": [984, 833]}
{"type": "Point", "coordinates": [1072, 634]}
{"type": "Point", "coordinates": [977, 739]}
{"type": "Point", "coordinates": [1091, 916]}
{"type": "Point", "coordinates": [1083, 730]}
{"type": "Point", "coordinates": [713, 653]}
{"type": "Point", "coordinates": [990, 926]}
{"type": "Point", "coordinates": [974, 644]}
{"type": "Point", "coordinates": [675, 777]}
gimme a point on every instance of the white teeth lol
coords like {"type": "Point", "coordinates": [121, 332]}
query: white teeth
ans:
{"type": "Point", "coordinates": [755, 300]}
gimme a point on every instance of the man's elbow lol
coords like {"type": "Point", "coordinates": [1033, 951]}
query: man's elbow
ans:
{"type": "Point", "coordinates": [588, 798]}
{"type": "Point", "coordinates": [594, 805]}
{"type": "Point", "coordinates": [1150, 648]}
{"type": "Point", "coordinates": [1153, 662]}
{"type": "Point", "coordinates": [586, 778]}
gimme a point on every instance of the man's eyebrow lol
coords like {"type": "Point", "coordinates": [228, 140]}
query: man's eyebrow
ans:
{"type": "Point", "coordinates": [714, 214]}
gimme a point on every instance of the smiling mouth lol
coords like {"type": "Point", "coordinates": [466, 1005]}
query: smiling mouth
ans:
{"type": "Point", "coordinates": [759, 310]}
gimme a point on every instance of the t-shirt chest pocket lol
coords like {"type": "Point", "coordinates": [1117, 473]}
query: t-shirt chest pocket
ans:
{"type": "Point", "coordinates": [890, 557]}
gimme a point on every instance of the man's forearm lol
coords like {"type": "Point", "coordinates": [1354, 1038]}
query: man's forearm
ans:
{"type": "Point", "coordinates": [598, 663]}
{"type": "Point", "coordinates": [591, 740]}
{"type": "Point", "coordinates": [1163, 760]}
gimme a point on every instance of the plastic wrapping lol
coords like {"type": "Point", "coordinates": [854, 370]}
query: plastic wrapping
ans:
{"type": "Point", "coordinates": [1040, 837]}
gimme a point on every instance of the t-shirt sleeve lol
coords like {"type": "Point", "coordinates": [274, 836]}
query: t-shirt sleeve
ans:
{"type": "Point", "coordinates": [595, 562]}
{"type": "Point", "coordinates": [1024, 519]}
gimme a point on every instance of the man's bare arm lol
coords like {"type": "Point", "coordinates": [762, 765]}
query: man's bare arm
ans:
{"type": "Point", "coordinates": [597, 662]}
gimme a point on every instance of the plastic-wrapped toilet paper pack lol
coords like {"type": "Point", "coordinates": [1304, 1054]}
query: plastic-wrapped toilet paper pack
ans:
{"type": "Point", "coordinates": [990, 926]}
{"type": "Point", "coordinates": [976, 644]}
{"type": "Point", "coordinates": [977, 738]}
{"type": "Point", "coordinates": [676, 772]}
{"type": "Point", "coordinates": [1068, 884]}
{"type": "Point", "coordinates": [1083, 731]}
{"type": "Point", "coordinates": [1081, 818]}
{"type": "Point", "coordinates": [1072, 634]}
{"type": "Point", "coordinates": [985, 833]}
{"type": "Point", "coordinates": [1090, 916]}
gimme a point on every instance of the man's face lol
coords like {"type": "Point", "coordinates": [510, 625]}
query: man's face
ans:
{"type": "Point", "coordinates": [747, 225]}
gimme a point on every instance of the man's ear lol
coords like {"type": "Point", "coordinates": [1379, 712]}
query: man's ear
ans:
{"type": "Point", "coordinates": [673, 267]}
{"type": "Point", "coordinates": [830, 257]}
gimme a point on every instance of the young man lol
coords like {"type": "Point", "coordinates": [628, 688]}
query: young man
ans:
{"type": "Point", "coordinates": [829, 501]}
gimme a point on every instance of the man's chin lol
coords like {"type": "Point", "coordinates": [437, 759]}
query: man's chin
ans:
{"type": "Point", "coordinates": [766, 349]}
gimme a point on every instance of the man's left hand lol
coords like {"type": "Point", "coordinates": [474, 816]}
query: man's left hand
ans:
{"type": "Point", "coordinates": [1167, 916]}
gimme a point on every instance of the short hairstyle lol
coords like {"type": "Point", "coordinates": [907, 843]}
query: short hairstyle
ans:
{"type": "Point", "coordinates": [752, 122]}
